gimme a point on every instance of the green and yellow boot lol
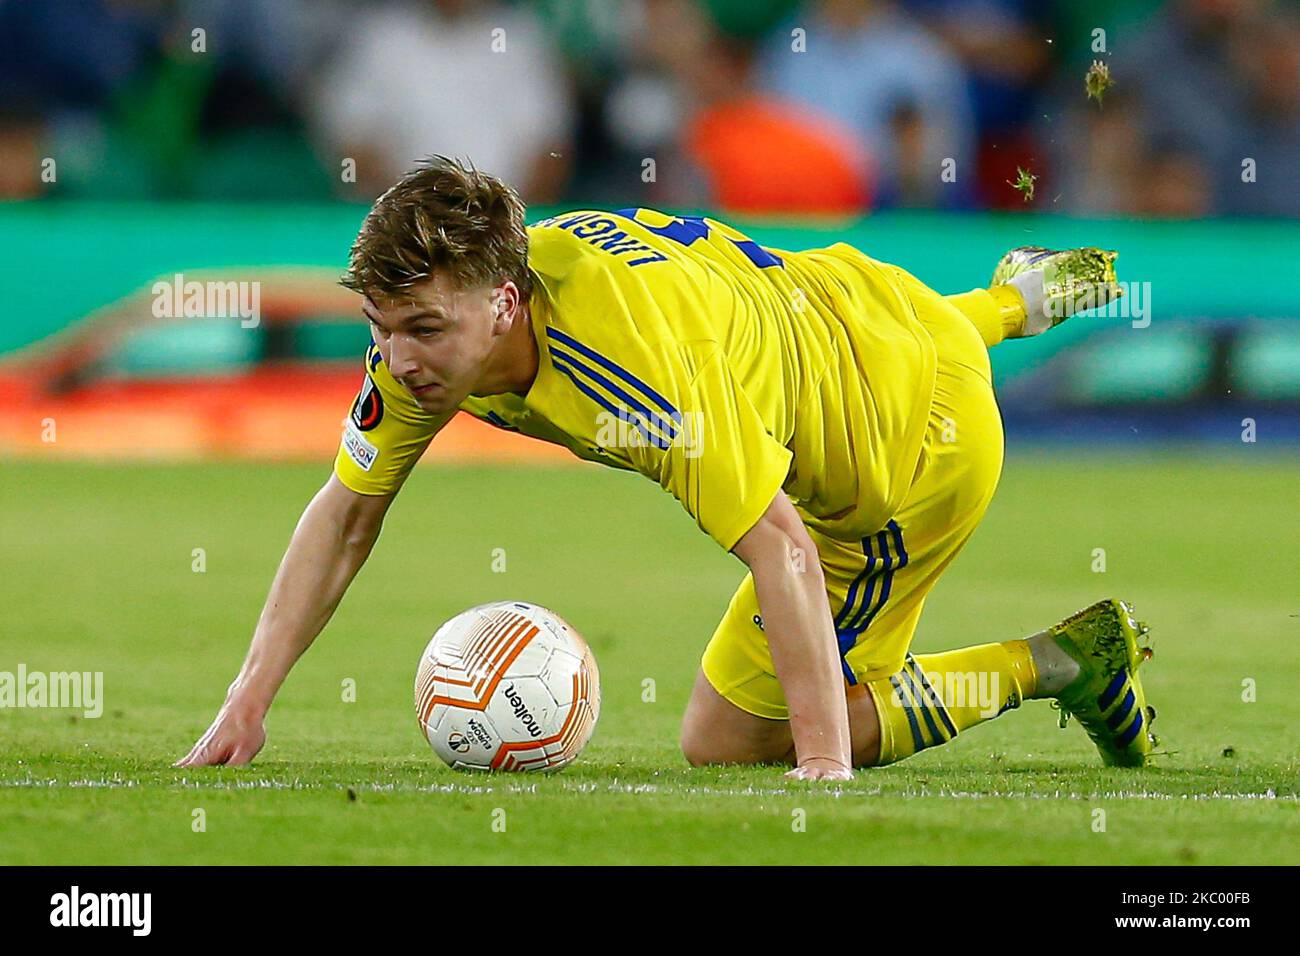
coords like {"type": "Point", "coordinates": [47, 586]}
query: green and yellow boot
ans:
{"type": "Point", "coordinates": [1057, 284]}
{"type": "Point", "coordinates": [1107, 696]}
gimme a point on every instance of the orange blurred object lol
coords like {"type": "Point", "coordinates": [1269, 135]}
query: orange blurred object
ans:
{"type": "Point", "coordinates": [288, 412]}
{"type": "Point", "coordinates": [762, 156]}
{"type": "Point", "coordinates": [58, 403]}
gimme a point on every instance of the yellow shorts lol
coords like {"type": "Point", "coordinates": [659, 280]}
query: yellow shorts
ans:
{"type": "Point", "coordinates": [878, 585]}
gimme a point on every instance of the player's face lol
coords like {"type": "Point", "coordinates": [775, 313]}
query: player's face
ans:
{"type": "Point", "coordinates": [437, 343]}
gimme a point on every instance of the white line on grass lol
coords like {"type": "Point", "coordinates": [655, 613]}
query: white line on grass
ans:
{"type": "Point", "coordinates": [614, 787]}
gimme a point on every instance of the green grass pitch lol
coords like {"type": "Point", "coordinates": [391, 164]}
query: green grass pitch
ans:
{"type": "Point", "coordinates": [96, 561]}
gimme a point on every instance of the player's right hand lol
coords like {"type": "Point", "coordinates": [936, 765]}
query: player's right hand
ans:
{"type": "Point", "coordinates": [234, 738]}
{"type": "Point", "coordinates": [820, 768]}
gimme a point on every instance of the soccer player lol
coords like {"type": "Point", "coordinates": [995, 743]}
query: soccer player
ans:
{"type": "Point", "coordinates": [822, 415]}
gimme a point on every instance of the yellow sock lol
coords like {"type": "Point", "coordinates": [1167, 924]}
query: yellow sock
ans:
{"type": "Point", "coordinates": [998, 312]}
{"type": "Point", "coordinates": [936, 696]}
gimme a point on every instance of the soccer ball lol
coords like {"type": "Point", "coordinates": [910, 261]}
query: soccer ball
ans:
{"type": "Point", "coordinates": [507, 686]}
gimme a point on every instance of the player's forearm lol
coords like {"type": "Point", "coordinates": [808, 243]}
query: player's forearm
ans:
{"type": "Point", "coordinates": [797, 621]}
{"type": "Point", "coordinates": [327, 549]}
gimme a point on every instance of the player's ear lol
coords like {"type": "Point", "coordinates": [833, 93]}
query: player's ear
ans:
{"type": "Point", "coordinates": [505, 299]}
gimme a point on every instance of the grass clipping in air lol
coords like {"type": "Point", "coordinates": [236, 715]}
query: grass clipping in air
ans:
{"type": "Point", "coordinates": [1024, 183]}
{"type": "Point", "coordinates": [1097, 81]}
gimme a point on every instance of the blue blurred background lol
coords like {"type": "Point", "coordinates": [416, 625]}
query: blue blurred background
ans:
{"type": "Point", "coordinates": [567, 97]}
{"type": "Point", "coordinates": [140, 138]}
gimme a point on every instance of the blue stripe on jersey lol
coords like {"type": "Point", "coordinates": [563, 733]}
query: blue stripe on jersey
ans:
{"type": "Point", "coordinates": [846, 636]}
{"type": "Point", "coordinates": [616, 370]}
{"type": "Point", "coordinates": [893, 563]}
{"type": "Point", "coordinates": [863, 576]}
{"type": "Point", "coordinates": [854, 617]}
{"type": "Point", "coordinates": [863, 617]}
{"type": "Point", "coordinates": [849, 676]}
{"type": "Point", "coordinates": [846, 641]}
{"type": "Point", "coordinates": [605, 403]}
{"type": "Point", "coordinates": [592, 375]}
{"type": "Point", "coordinates": [763, 258]}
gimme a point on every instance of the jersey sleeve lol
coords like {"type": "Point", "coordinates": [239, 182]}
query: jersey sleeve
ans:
{"type": "Point", "coordinates": [384, 434]}
{"type": "Point", "coordinates": [723, 464]}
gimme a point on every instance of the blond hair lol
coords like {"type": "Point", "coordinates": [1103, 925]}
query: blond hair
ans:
{"type": "Point", "coordinates": [444, 216]}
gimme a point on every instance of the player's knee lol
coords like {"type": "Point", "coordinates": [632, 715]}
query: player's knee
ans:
{"type": "Point", "coordinates": [865, 761]}
{"type": "Point", "coordinates": [695, 755]}
{"type": "Point", "coordinates": [866, 751]}
{"type": "Point", "coordinates": [710, 751]}
{"type": "Point", "coordinates": [699, 752]}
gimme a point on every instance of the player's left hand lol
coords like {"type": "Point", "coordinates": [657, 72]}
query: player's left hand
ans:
{"type": "Point", "coordinates": [820, 768]}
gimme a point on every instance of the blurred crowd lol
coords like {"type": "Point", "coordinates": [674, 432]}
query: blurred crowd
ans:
{"type": "Point", "coordinates": [753, 106]}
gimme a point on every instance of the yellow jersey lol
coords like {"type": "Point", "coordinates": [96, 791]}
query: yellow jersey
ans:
{"type": "Point", "coordinates": [724, 370]}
